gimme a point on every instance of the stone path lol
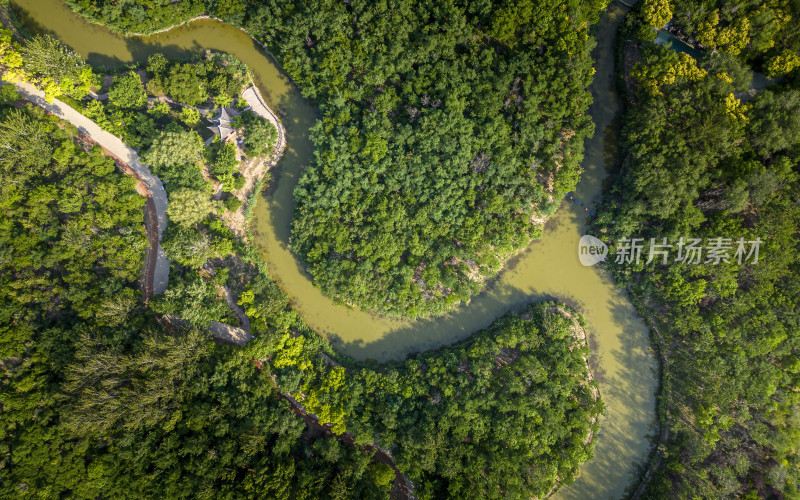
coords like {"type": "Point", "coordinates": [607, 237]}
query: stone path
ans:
{"type": "Point", "coordinates": [259, 107]}
{"type": "Point", "coordinates": [125, 154]}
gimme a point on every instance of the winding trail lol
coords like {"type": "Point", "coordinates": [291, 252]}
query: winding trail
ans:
{"type": "Point", "coordinates": [257, 105]}
{"type": "Point", "coordinates": [160, 268]}
{"type": "Point", "coordinates": [156, 275]}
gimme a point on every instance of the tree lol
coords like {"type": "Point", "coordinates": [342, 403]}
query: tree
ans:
{"type": "Point", "coordinates": [782, 64]}
{"type": "Point", "coordinates": [719, 324]}
{"type": "Point", "coordinates": [186, 246]}
{"type": "Point", "coordinates": [10, 55]}
{"type": "Point", "coordinates": [192, 298]}
{"type": "Point", "coordinates": [225, 164]}
{"type": "Point", "coordinates": [660, 67]}
{"type": "Point", "coordinates": [188, 207]}
{"type": "Point", "coordinates": [157, 64]}
{"type": "Point", "coordinates": [26, 148]}
{"type": "Point", "coordinates": [112, 391]}
{"type": "Point", "coordinates": [127, 91]}
{"type": "Point", "coordinates": [776, 123]}
{"type": "Point", "coordinates": [174, 148]}
{"type": "Point", "coordinates": [59, 70]}
{"type": "Point", "coordinates": [259, 134]}
{"type": "Point", "coordinates": [184, 84]}
{"type": "Point", "coordinates": [190, 116]}
{"type": "Point", "coordinates": [656, 14]}
{"type": "Point", "coordinates": [232, 203]}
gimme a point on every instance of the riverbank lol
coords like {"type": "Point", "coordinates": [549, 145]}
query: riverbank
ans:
{"type": "Point", "coordinates": [255, 170]}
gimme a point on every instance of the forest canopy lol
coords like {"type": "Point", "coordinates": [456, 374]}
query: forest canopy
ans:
{"type": "Point", "coordinates": [103, 394]}
{"type": "Point", "coordinates": [99, 396]}
{"type": "Point", "coordinates": [509, 413]}
{"type": "Point", "coordinates": [448, 132]}
{"type": "Point", "coordinates": [708, 155]}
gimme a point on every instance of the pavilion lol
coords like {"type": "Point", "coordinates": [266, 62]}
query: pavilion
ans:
{"type": "Point", "coordinates": [223, 123]}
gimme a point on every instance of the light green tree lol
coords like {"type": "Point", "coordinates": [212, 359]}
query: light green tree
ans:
{"type": "Point", "coordinates": [174, 148]}
{"type": "Point", "coordinates": [186, 246]}
{"type": "Point", "coordinates": [54, 67]}
{"type": "Point", "coordinates": [188, 207]}
{"type": "Point", "coordinates": [782, 64]}
{"type": "Point", "coordinates": [127, 91]}
{"type": "Point", "coordinates": [190, 116]}
{"type": "Point", "coordinates": [259, 134]}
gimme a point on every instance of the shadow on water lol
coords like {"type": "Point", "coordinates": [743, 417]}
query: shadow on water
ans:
{"type": "Point", "coordinates": [415, 337]}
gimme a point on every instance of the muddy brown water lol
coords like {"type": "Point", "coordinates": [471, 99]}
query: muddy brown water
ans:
{"type": "Point", "coordinates": [549, 269]}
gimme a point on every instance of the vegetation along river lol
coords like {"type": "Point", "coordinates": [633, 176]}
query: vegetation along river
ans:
{"type": "Point", "coordinates": [622, 360]}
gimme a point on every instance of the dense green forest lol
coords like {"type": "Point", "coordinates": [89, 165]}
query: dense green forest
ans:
{"type": "Point", "coordinates": [506, 414]}
{"type": "Point", "coordinates": [103, 395]}
{"type": "Point", "coordinates": [449, 131]}
{"type": "Point", "coordinates": [68, 222]}
{"type": "Point", "coordinates": [100, 397]}
{"type": "Point", "coordinates": [698, 162]}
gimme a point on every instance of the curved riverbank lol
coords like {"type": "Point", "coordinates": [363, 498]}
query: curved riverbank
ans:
{"type": "Point", "coordinates": [621, 359]}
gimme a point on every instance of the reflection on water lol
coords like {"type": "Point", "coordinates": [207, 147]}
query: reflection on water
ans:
{"type": "Point", "coordinates": [548, 269]}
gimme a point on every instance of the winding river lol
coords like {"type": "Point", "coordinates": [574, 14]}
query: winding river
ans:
{"type": "Point", "coordinates": [621, 358]}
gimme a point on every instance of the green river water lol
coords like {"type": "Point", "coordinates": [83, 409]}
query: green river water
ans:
{"type": "Point", "coordinates": [621, 360]}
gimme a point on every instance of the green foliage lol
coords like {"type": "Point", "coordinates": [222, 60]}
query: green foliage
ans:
{"type": "Point", "coordinates": [127, 91]}
{"type": "Point", "coordinates": [140, 17]}
{"type": "Point", "coordinates": [215, 77]}
{"type": "Point", "coordinates": [184, 84]}
{"type": "Point", "coordinates": [57, 69]}
{"type": "Point", "coordinates": [437, 146]}
{"type": "Point", "coordinates": [193, 298]}
{"type": "Point", "coordinates": [239, 181]}
{"type": "Point", "coordinates": [764, 34]}
{"type": "Point", "coordinates": [445, 130]}
{"type": "Point", "coordinates": [700, 164]}
{"type": "Point", "coordinates": [224, 164]}
{"type": "Point", "coordinates": [775, 125]}
{"type": "Point", "coordinates": [469, 418]}
{"type": "Point", "coordinates": [656, 13]}
{"type": "Point", "coordinates": [71, 232]}
{"type": "Point", "coordinates": [160, 109]}
{"type": "Point", "coordinates": [188, 207]}
{"type": "Point", "coordinates": [259, 134]}
{"type": "Point", "coordinates": [186, 246]}
{"type": "Point", "coordinates": [111, 391]}
{"type": "Point", "coordinates": [190, 116]}
{"type": "Point", "coordinates": [232, 204]}
{"type": "Point", "coordinates": [164, 415]}
{"type": "Point", "coordinates": [98, 397]}
{"type": "Point", "coordinates": [782, 64]}
{"type": "Point", "coordinates": [174, 148]}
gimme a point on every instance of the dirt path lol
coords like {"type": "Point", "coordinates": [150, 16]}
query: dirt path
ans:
{"type": "Point", "coordinates": [402, 486]}
{"type": "Point", "coordinates": [125, 155]}
{"type": "Point", "coordinates": [235, 335]}
{"type": "Point", "coordinates": [243, 319]}
{"type": "Point", "coordinates": [150, 222]}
